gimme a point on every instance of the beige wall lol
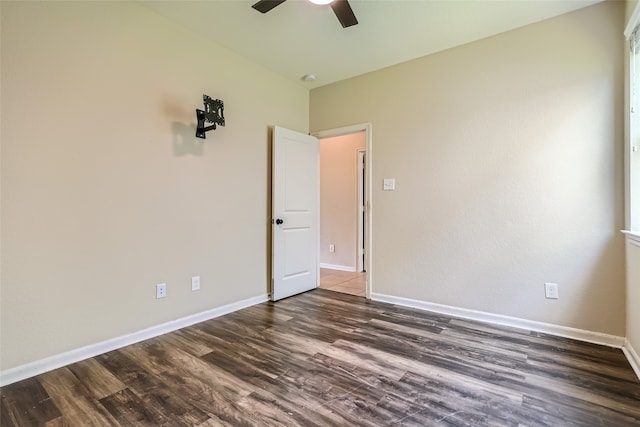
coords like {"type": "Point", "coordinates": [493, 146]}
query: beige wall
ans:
{"type": "Point", "coordinates": [105, 190]}
{"type": "Point", "coordinates": [507, 155]}
{"type": "Point", "coordinates": [339, 198]}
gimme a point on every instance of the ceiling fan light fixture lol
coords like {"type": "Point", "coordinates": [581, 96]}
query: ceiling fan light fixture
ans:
{"type": "Point", "coordinates": [341, 8]}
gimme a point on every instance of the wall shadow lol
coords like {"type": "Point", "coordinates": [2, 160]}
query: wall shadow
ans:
{"type": "Point", "coordinates": [184, 140]}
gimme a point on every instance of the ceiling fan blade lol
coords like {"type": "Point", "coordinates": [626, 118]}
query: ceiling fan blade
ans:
{"type": "Point", "coordinates": [265, 6]}
{"type": "Point", "coordinates": [345, 14]}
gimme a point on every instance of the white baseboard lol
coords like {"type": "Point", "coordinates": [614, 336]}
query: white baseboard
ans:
{"type": "Point", "coordinates": [632, 357]}
{"type": "Point", "coordinates": [38, 367]}
{"type": "Point", "coordinates": [337, 267]}
{"type": "Point", "coordinates": [498, 319]}
{"type": "Point", "coordinates": [59, 360]}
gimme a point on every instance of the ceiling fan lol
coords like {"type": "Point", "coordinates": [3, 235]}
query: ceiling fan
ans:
{"type": "Point", "coordinates": [341, 8]}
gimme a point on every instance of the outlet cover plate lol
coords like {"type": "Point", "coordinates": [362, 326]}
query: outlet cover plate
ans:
{"type": "Point", "coordinates": [195, 283]}
{"type": "Point", "coordinates": [551, 290]}
{"type": "Point", "coordinates": [161, 290]}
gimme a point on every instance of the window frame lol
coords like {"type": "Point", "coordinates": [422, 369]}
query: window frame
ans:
{"type": "Point", "coordinates": [632, 126]}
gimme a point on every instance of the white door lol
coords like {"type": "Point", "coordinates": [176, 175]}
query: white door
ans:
{"type": "Point", "coordinates": [295, 197]}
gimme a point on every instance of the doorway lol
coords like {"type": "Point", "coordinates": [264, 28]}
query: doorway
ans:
{"type": "Point", "coordinates": [345, 220]}
{"type": "Point", "coordinates": [346, 282]}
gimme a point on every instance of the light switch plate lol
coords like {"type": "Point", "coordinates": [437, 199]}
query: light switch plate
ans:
{"type": "Point", "coordinates": [388, 184]}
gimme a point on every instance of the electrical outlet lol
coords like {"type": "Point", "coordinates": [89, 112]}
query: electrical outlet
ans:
{"type": "Point", "coordinates": [195, 283]}
{"type": "Point", "coordinates": [551, 290]}
{"type": "Point", "coordinates": [161, 290]}
{"type": "Point", "coordinates": [332, 248]}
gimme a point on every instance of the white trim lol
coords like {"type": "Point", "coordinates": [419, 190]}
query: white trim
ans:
{"type": "Point", "coordinates": [632, 357]}
{"type": "Point", "coordinates": [498, 319]}
{"type": "Point", "coordinates": [337, 267]}
{"type": "Point", "coordinates": [361, 250]}
{"type": "Point", "coordinates": [346, 130]}
{"type": "Point", "coordinates": [632, 236]}
{"type": "Point", "coordinates": [59, 360]}
{"type": "Point", "coordinates": [634, 20]}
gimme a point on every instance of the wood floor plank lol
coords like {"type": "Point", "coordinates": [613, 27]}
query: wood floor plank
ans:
{"type": "Point", "coordinates": [149, 355]}
{"type": "Point", "coordinates": [450, 398]}
{"type": "Point", "coordinates": [217, 400]}
{"type": "Point", "coordinates": [576, 412]}
{"type": "Point", "coordinates": [187, 343]}
{"type": "Point", "coordinates": [123, 367]}
{"type": "Point", "coordinates": [153, 390]}
{"type": "Point", "coordinates": [177, 359]}
{"type": "Point", "coordinates": [157, 394]}
{"type": "Point", "coordinates": [326, 358]}
{"type": "Point", "coordinates": [129, 409]}
{"type": "Point", "coordinates": [585, 376]}
{"type": "Point", "coordinates": [422, 346]}
{"type": "Point", "coordinates": [74, 400]}
{"type": "Point", "coordinates": [98, 381]}
{"type": "Point", "coordinates": [27, 403]}
{"type": "Point", "coordinates": [331, 386]}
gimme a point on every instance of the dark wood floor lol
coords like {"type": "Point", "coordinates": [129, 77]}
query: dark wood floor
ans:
{"type": "Point", "coordinates": [325, 358]}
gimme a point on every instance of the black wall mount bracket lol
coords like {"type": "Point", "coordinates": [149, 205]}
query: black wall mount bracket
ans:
{"type": "Point", "coordinates": [213, 113]}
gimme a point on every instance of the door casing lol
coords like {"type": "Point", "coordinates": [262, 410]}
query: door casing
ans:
{"type": "Point", "coordinates": [361, 264]}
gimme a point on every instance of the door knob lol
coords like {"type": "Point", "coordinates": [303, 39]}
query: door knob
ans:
{"type": "Point", "coordinates": [279, 221]}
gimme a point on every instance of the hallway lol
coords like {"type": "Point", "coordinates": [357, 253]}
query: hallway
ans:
{"type": "Point", "coordinates": [343, 281]}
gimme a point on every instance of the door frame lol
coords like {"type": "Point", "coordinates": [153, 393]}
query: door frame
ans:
{"type": "Point", "coordinates": [346, 130]}
{"type": "Point", "coordinates": [362, 210]}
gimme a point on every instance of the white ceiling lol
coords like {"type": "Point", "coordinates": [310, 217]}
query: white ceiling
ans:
{"type": "Point", "coordinates": [298, 38]}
